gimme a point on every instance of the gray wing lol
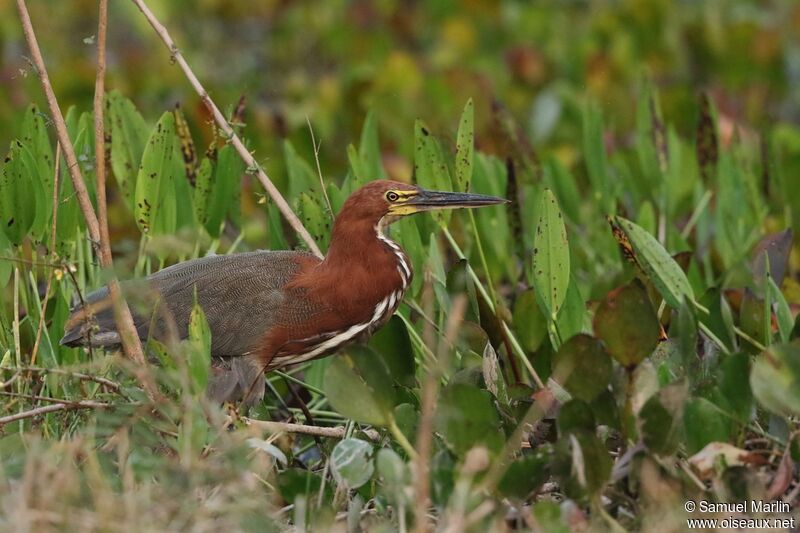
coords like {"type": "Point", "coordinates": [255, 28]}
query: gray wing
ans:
{"type": "Point", "coordinates": [239, 294]}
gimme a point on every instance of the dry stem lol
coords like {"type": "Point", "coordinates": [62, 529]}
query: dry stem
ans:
{"type": "Point", "coordinates": [67, 405]}
{"type": "Point", "coordinates": [338, 432]}
{"type": "Point", "coordinates": [222, 122]}
{"type": "Point", "coordinates": [122, 314]}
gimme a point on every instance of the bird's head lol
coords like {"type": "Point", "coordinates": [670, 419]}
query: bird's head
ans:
{"type": "Point", "coordinates": [382, 202]}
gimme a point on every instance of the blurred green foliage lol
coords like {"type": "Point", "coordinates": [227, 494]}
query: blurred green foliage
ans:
{"type": "Point", "coordinates": [645, 270]}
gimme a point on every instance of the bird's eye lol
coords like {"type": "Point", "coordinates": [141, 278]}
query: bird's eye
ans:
{"type": "Point", "coordinates": [392, 196]}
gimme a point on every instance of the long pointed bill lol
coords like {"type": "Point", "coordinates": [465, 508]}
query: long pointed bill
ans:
{"type": "Point", "coordinates": [428, 200]}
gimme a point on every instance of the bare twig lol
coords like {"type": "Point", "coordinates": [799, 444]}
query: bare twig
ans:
{"type": "Point", "coordinates": [338, 432]}
{"type": "Point", "coordinates": [52, 254]}
{"type": "Point", "coordinates": [428, 407]}
{"type": "Point", "coordinates": [83, 404]}
{"type": "Point", "coordinates": [122, 314]}
{"type": "Point", "coordinates": [60, 371]}
{"type": "Point", "coordinates": [219, 118]}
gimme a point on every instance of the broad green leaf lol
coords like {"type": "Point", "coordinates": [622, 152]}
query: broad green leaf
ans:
{"type": "Point", "coordinates": [393, 475]}
{"type": "Point", "coordinates": [627, 324]}
{"type": "Point", "coordinates": [313, 217]}
{"type": "Point", "coordinates": [661, 418]}
{"type": "Point", "coordinates": [393, 344]}
{"type": "Point", "coordinates": [129, 134]}
{"type": "Point", "coordinates": [359, 386]}
{"type": "Point", "coordinates": [551, 255]}
{"type": "Point", "coordinates": [18, 194]}
{"type": "Point", "coordinates": [225, 189]}
{"type": "Point", "coordinates": [581, 464]}
{"type": "Point", "coordinates": [369, 150]}
{"type": "Point", "coordinates": [594, 148]}
{"type": "Point", "coordinates": [733, 381]}
{"type": "Point", "coordinates": [35, 139]}
{"type": "Point", "coordinates": [524, 476]}
{"type": "Point", "coordinates": [575, 415]}
{"type": "Point", "coordinates": [582, 367]}
{"type": "Point", "coordinates": [155, 172]}
{"type": "Point", "coordinates": [429, 165]}
{"type": "Point", "coordinates": [465, 146]}
{"type": "Point", "coordinates": [199, 352]}
{"type": "Point", "coordinates": [203, 188]}
{"type": "Point", "coordinates": [302, 176]}
{"type": "Point", "coordinates": [704, 423]}
{"type": "Point", "coordinates": [529, 322]}
{"type": "Point", "coordinates": [466, 417]}
{"type": "Point", "coordinates": [655, 262]}
{"type": "Point", "coordinates": [351, 462]}
{"type": "Point", "coordinates": [775, 379]}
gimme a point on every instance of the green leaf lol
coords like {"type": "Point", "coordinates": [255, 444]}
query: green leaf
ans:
{"type": "Point", "coordinates": [775, 379]}
{"type": "Point", "coordinates": [313, 217]}
{"type": "Point", "coordinates": [581, 464]}
{"type": "Point", "coordinates": [351, 462]}
{"type": "Point", "coordinates": [153, 179]}
{"type": "Point", "coordinates": [627, 324]}
{"type": "Point", "coordinates": [594, 148]}
{"type": "Point", "coordinates": [199, 353]}
{"type": "Point", "coordinates": [575, 415]}
{"type": "Point", "coordinates": [393, 344]}
{"type": "Point", "coordinates": [129, 134]}
{"type": "Point", "coordinates": [524, 476]}
{"type": "Point", "coordinates": [783, 314]}
{"type": "Point", "coordinates": [733, 380]}
{"type": "Point", "coordinates": [20, 193]}
{"type": "Point", "coordinates": [656, 263]}
{"type": "Point", "coordinates": [225, 190]}
{"type": "Point", "coordinates": [35, 139]}
{"type": "Point", "coordinates": [529, 322]}
{"type": "Point", "coordinates": [661, 418]}
{"type": "Point", "coordinates": [369, 150]}
{"type": "Point", "coordinates": [203, 188]}
{"type": "Point", "coordinates": [429, 165]}
{"type": "Point", "coordinates": [466, 417]}
{"type": "Point", "coordinates": [465, 146]}
{"type": "Point", "coordinates": [582, 367]}
{"type": "Point", "coordinates": [551, 255]}
{"type": "Point", "coordinates": [359, 386]}
{"type": "Point", "coordinates": [301, 175]}
{"type": "Point", "coordinates": [704, 423]}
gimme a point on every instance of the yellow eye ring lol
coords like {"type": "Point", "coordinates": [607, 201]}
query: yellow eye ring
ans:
{"type": "Point", "coordinates": [392, 196]}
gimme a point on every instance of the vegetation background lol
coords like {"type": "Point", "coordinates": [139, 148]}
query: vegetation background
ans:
{"type": "Point", "coordinates": [672, 370]}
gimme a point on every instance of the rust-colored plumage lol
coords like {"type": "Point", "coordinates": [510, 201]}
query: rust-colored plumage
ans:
{"type": "Point", "coordinates": [270, 309]}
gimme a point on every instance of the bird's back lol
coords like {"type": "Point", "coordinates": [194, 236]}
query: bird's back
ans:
{"type": "Point", "coordinates": [239, 294]}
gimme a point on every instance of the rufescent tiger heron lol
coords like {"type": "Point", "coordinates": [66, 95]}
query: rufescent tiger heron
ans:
{"type": "Point", "coordinates": [270, 309]}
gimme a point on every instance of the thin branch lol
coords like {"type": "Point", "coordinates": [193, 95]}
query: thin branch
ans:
{"type": "Point", "coordinates": [52, 254]}
{"type": "Point", "coordinates": [122, 314]}
{"type": "Point", "coordinates": [338, 432]}
{"type": "Point", "coordinates": [84, 404]}
{"type": "Point", "coordinates": [425, 433]}
{"type": "Point", "coordinates": [60, 371]}
{"type": "Point", "coordinates": [219, 118]}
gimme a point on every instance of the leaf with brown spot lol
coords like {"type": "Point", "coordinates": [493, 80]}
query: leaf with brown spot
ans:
{"type": "Point", "coordinates": [627, 324]}
{"type": "Point", "coordinates": [707, 147]}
